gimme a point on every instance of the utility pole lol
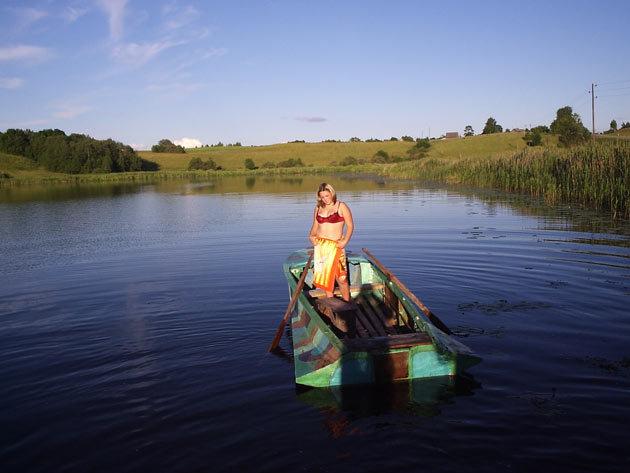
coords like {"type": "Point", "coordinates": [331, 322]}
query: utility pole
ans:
{"type": "Point", "coordinates": [593, 85]}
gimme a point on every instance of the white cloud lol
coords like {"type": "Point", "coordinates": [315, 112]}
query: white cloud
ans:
{"type": "Point", "coordinates": [138, 54]}
{"type": "Point", "coordinates": [139, 146]}
{"type": "Point", "coordinates": [24, 52]}
{"type": "Point", "coordinates": [115, 11]}
{"type": "Point", "coordinates": [71, 14]}
{"type": "Point", "coordinates": [203, 33]}
{"type": "Point", "coordinates": [214, 52]}
{"type": "Point", "coordinates": [28, 16]}
{"type": "Point", "coordinates": [188, 142]}
{"type": "Point", "coordinates": [70, 110]}
{"type": "Point", "coordinates": [196, 57]}
{"type": "Point", "coordinates": [10, 82]}
{"type": "Point", "coordinates": [177, 17]}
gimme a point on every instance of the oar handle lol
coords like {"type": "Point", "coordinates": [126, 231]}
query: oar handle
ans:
{"type": "Point", "coordinates": [294, 298]}
{"type": "Point", "coordinates": [434, 319]}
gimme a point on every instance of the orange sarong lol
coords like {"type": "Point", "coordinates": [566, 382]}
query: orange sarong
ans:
{"type": "Point", "coordinates": [329, 263]}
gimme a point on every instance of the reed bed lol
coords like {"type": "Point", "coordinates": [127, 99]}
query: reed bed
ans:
{"type": "Point", "coordinates": [596, 175]}
{"type": "Point", "coordinates": [156, 176]}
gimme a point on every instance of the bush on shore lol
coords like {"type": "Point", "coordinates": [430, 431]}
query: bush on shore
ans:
{"type": "Point", "coordinates": [196, 164]}
{"type": "Point", "coordinates": [73, 154]}
{"type": "Point", "coordinates": [290, 163]}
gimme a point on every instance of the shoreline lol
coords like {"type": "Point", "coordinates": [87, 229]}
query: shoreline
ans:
{"type": "Point", "coordinates": [594, 176]}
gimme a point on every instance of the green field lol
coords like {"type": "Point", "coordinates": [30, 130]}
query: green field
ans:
{"type": "Point", "coordinates": [623, 134]}
{"type": "Point", "coordinates": [323, 154]}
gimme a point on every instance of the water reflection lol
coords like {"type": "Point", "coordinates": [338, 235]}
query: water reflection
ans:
{"type": "Point", "coordinates": [554, 217]}
{"type": "Point", "coordinates": [342, 406]}
{"type": "Point", "coordinates": [58, 192]}
{"type": "Point", "coordinates": [285, 185]}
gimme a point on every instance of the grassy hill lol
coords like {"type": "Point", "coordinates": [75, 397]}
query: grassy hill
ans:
{"type": "Point", "coordinates": [323, 154]}
{"type": "Point", "coordinates": [21, 167]}
{"type": "Point", "coordinates": [623, 133]}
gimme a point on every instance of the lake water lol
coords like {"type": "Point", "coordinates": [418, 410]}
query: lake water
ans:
{"type": "Point", "coordinates": [135, 322]}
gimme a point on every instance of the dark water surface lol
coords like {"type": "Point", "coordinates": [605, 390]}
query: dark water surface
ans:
{"type": "Point", "coordinates": [134, 323]}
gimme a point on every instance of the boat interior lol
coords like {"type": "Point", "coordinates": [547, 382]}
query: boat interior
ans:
{"type": "Point", "coordinates": [373, 318]}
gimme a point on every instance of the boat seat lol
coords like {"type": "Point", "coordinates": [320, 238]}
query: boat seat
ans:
{"type": "Point", "coordinates": [319, 293]}
{"type": "Point", "coordinates": [387, 342]}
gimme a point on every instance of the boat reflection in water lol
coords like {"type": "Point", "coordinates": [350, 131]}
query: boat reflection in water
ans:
{"type": "Point", "coordinates": [342, 405]}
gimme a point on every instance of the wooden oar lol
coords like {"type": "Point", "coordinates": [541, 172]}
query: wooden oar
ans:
{"type": "Point", "coordinates": [294, 298]}
{"type": "Point", "coordinates": [430, 315]}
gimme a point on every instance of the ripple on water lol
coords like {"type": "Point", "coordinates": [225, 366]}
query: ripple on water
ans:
{"type": "Point", "coordinates": [135, 327]}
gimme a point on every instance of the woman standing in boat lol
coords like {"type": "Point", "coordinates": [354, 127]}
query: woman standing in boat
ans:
{"type": "Point", "coordinates": [329, 242]}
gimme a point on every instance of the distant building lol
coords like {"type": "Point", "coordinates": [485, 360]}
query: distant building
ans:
{"type": "Point", "coordinates": [451, 134]}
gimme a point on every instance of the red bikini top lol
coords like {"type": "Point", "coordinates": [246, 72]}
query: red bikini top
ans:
{"type": "Point", "coordinates": [332, 218]}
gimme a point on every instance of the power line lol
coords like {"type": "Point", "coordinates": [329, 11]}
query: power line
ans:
{"type": "Point", "coordinates": [582, 102]}
{"type": "Point", "coordinates": [581, 94]}
{"type": "Point", "coordinates": [618, 88]}
{"type": "Point", "coordinates": [615, 82]}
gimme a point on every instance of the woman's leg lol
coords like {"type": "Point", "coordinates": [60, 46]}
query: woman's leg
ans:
{"type": "Point", "coordinates": [344, 288]}
{"type": "Point", "coordinates": [342, 278]}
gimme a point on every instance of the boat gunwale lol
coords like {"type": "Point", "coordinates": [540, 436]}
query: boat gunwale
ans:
{"type": "Point", "coordinates": [307, 306]}
{"type": "Point", "coordinates": [420, 325]}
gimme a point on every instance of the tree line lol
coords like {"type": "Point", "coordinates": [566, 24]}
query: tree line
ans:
{"type": "Point", "coordinates": [72, 154]}
{"type": "Point", "coordinates": [567, 125]}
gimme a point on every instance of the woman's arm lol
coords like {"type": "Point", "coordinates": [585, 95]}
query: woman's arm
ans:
{"type": "Point", "coordinates": [347, 216]}
{"type": "Point", "coordinates": [312, 235]}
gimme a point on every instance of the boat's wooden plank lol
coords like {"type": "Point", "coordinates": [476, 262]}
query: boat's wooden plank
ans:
{"type": "Point", "coordinates": [434, 319]}
{"type": "Point", "coordinates": [388, 342]}
{"type": "Point", "coordinates": [374, 320]}
{"type": "Point", "coordinates": [318, 293]}
{"type": "Point", "coordinates": [363, 320]}
{"type": "Point", "coordinates": [377, 316]}
{"type": "Point", "coordinates": [389, 298]}
{"type": "Point", "coordinates": [388, 322]}
{"type": "Point", "coordinates": [340, 313]}
{"type": "Point", "coordinates": [362, 332]}
{"type": "Point", "coordinates": [336, 305]}
{"type": "Point", "coordinates": [403, 316]}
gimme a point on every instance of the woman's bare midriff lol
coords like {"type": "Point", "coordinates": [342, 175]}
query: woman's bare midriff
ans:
{"type": "Point", "coordinates": [331, 231]}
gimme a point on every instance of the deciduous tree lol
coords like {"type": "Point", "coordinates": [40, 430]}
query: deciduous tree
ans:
{"type": "Point", "coordinates": [569, 128]}
{"type": "Point", "coordinates": [491, 127]}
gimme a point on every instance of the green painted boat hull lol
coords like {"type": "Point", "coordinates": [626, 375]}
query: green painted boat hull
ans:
{"type": "Point", "coordinates": [322, 359]}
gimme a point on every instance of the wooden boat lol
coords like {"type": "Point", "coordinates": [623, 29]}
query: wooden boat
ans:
{"type": "Point", "coordinates": [379, 337]}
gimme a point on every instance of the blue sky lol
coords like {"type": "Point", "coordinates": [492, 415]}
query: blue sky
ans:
{"type": "Point", "coordinates": [263, 72]}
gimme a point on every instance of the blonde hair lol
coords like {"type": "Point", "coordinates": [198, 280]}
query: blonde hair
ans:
{"type": "Point", "coordinates": [326, 187]}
